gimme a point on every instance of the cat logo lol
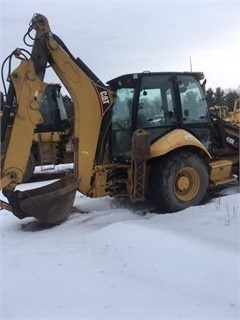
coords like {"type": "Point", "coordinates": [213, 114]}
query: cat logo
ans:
{"type": "Point", "coordinates": [104, 97]}
{"type": "Point", "coordinates": [230, 140]}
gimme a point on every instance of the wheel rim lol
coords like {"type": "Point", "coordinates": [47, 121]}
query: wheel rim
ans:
{"type": "Point", "coordinates": [187, 184]}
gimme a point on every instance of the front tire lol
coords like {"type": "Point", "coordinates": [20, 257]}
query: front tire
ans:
{"type": "Point", "coordinates": [178, 181]}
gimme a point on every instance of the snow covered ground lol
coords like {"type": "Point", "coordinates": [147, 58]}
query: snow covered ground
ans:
{"type": "Point", "coordinates": [116, 263]}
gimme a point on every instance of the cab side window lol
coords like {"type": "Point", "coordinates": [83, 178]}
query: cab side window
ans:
{"type": "Point", "coordinates": [192, 100]}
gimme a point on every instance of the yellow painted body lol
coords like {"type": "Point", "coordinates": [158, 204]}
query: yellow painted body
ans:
{"type": "Point", "coordinates": [88, 113]}
{"type": "Point", "coordinates": [173, 140]}
{"type": "Point", "coordinates": [29, 91]}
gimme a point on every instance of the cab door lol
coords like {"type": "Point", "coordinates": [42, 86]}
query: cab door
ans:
{"type": "Point", "coordinates": [155, 109]}
{"type": "Point", "coordinates": [194, 114]}
{"type": "Point", "coordinates": [121, 125]}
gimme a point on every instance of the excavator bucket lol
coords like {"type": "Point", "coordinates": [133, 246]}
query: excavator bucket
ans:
{"type": "Point", "coordinates": [48, 204]}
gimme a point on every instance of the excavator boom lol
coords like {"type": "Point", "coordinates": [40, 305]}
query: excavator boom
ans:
{"type": "Point", "coordinates": [92, 102]}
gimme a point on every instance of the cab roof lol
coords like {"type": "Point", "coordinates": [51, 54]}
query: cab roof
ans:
{"type": "Point", "coordinates": [126, 78]}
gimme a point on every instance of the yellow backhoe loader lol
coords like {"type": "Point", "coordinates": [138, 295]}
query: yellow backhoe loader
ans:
{"type": "Point", "coordinates": [143, 135]}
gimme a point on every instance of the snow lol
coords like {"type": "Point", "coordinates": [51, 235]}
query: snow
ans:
{"type": "Point", "coordinates": [115, 262]}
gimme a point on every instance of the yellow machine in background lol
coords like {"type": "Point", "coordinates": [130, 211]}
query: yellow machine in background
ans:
{"type": "Point", "coordinates": [228, 123]}
{"type": "Point", "coordinates": [141, 136]}
{"type": "Point", "coordinates": [223, 112]}
{"type": "Point", "coordinates": [234, 116]}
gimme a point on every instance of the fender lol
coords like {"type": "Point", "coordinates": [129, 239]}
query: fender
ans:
{"type": "Point", "coordinates": [175, 139]}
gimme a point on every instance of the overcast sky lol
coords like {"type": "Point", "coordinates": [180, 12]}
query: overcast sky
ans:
{"type": "Point", "coordinates": [119, 37]}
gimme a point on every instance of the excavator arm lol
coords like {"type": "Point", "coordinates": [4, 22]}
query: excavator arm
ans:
{"type": "Point", "coordinates": [92, 102]}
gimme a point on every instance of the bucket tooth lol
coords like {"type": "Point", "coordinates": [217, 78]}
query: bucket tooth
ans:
{"type": "Point", "coordinates": [48, 204]}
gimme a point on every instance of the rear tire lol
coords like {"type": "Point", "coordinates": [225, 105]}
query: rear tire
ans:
{"type": "Point", "coordinates": [178, 181]}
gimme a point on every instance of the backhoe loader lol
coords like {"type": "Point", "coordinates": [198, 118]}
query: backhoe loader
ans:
{"type": "Point", "coordinates": [140, 136]}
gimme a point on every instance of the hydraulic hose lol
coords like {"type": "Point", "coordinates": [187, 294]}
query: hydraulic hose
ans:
{"type": "Point", "coordinates": [7, 111]}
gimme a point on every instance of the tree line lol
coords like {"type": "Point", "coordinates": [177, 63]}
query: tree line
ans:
{"type": "Point", "coordinates": [219, 97]}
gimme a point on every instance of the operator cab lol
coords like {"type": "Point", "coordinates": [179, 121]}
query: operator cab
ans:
{"type": "Point", "coordinates": [159, 103]}
{"type": "Point", "coordinates": [53, 110]}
